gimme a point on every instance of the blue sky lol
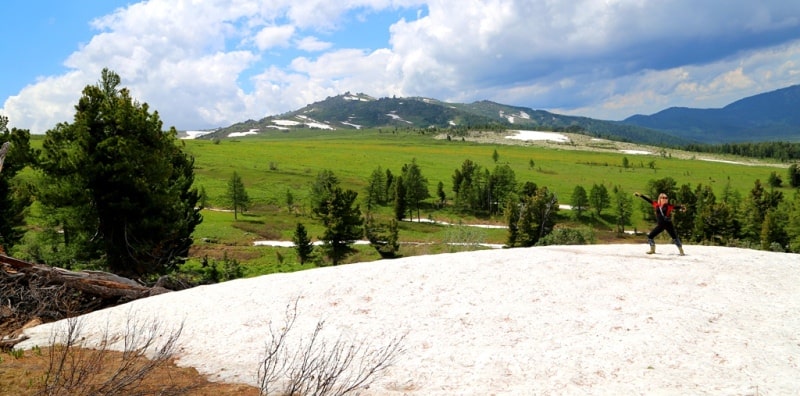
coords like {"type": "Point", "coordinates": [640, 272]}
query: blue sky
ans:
{"type": "Point", "coordinates": [213, 63]}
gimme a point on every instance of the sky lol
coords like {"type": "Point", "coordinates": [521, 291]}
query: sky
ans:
{"type": "Point", "coordinates": [212, 63]}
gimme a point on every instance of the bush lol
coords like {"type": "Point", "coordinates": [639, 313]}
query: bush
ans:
{"type": "Point", "coordinates": [318, 367]}
{"type": "Point", "coordinates": [74, 370]}
{"type": "Point", "coordinates": [568, 236]}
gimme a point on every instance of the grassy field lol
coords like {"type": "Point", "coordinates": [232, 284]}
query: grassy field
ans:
{"type": "Point", "coordinates": [273, 164]}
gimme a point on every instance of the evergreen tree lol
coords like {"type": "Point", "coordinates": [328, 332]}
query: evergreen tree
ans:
{"type": "Point", "coordinates": [383, 237]}
{"type": "Point", "coordinates": [441, 194]}
{"type": "Point", "coordinates": [322, 189]}
{"type": "Point", "coordinates": [302, 243]}
{"type": "Point", "coordinates": [237, 195]}
{"type": "Point", "coordinates": [623, 209]}
{"type": "Point", "coordinates": [116, 187]}
{"type": "Point", "coordinates": [13, 199]}
{"type": "Point", "coordinates": [599, 198]}
{"type": "Point", "coordinates": [512, 215]}
{"type": "Point", "coordinates": [537, 217]}
{"type": "Point", "coordinates": [502, 184]}
{"type": "Point", "coordinates": [773, 231]}
{"type": "Point", "coordinates": [684, 220]}
{"type": "Point", "coordinates": [794, 175]}
{"type": "Point", "coordinates": [416, 186]}
{"type": "Point", "coordinates": [757, 205]}
{"type": "Point", "coordinates": [399, 198]}
{"type": "Point", "coordinates": [793, 222]}
{"type": "Point", "coordinates": [343, 224]}
{"type": "Point", "coordinates": [376, 189]}
{"type": "Point", "coordinates": [465, 184]}
{"type": "Point", "coordinates": [579, 200]}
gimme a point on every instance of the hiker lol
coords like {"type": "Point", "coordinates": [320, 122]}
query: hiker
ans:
{"type": "Point", "coordinates": [663, 211]}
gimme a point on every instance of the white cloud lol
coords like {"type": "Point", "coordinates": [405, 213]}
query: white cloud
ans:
{"type": "Point", "coordinates": [211, 63]}
{"type": "Point", "coordinates": [313, 44]}
{"type": "Point", "coordinates": [274, 36]}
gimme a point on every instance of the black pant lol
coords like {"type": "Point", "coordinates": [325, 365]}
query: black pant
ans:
{"type": "Point", "coordinates": [661, 226]}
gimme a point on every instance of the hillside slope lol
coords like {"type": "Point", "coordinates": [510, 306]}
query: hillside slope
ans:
{"type": "Point", "coordinates": [355, 111]}
{"type": "Point", "coordinates": [598, 319]}
{"type": "Point", "coordinates": [770, 116]}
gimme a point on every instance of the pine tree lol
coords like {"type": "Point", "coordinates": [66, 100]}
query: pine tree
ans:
{"type": "Point", "coordinates": [13, 201]}
{"type": "Point", "coordinates": [623, 209]}
{"type": "Point", "coordinates": [343, 224]}
{"type": "Point", "coordinates": [383, 237]}
{"type": "Point", "coordinates": [399, 198]}
{"type": "Point", "coordinates": [376, 189]}
{"type": "Point", "coordinates": [579, 200]}
{"type": "Point", "coordinates": [237, 195]}
{"type": "Point", "coordinates": [115, 187]}
{"type": "Point", "coordinates": [416, 186]}
{"type": "Point", "coordinates": [302, 243]}
{"type": "Point", "coordinates": [599, 198]}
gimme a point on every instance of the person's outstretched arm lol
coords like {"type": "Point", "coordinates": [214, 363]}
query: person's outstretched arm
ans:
{"type": "Point", "coordinates": [644, 197]}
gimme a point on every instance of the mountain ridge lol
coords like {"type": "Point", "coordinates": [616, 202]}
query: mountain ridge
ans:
{"type": "Point", "coordinates": [768, 116]}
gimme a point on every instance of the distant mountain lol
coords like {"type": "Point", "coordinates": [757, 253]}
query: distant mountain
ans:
{"type": "Point", "coordinates": [355, 111]}
{"type": "Point", "coordinates": [771, 116]}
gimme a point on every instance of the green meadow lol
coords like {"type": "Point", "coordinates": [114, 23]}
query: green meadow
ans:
{"type": "Point", "coordinates": [279, 164]}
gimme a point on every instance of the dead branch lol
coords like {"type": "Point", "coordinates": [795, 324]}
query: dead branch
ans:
{"type": "Point", "coordinates": [32, 291]}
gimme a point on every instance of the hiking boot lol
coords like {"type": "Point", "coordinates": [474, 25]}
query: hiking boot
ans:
{"type": "Point", "coordinates": [652, 249]}
{"type": "Point", "coordinates": [680, 249]}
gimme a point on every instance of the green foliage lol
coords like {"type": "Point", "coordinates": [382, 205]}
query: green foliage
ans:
{"type": "Point", "coordinates": [623, 208]}
{"type": "Point", "coordinates": [416, 186]}
{"type": "Point", "coordinates": [376, 189]}
{"type": "Point", "coordinates": [302, 243]}
{"type": "Point", "coordinates": [441, 194]}
{"type": "Point", "coordinates": [773, 231]}
{"type": "Point", "coordinates": [502, 185]}
{"type": "Point", "coordinates": [343, 224]}
{"type": "Point", "coordinates": [383, 237]}
{"type": "Point", "coordinates": [794, 175]}
{"type": "Point", "coordinates": [535, 218]}
{"type": "Point", "coordinates": [400, 203]}
{"type": "Point", "coordinates": [237, 195]}
{"type": "Point", "coordinates": [579, 200]}
{"type": "Point", "coordinates": [15, 195]}
{"type": "Point", "coordinates": [599, 198]}
{"type": "Point", "coordinates": [459, 236]}
{"type": "Point", "coordinates": [568, 236]}
{"type": "Point", "coordinates": [322, 189]}
{"type": "Point", "coordinates": [116, 187]}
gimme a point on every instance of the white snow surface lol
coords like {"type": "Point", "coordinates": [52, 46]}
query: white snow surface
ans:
{"type": "Point", "coordinates": [539, 135]}
{"type": "Point", "coordinates": [593, 319]}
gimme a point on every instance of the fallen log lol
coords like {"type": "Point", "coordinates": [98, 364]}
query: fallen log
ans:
{"type": "Point", "coordinates": [100, 284]}
{"type": "Point", "coordinates": [40, 292]}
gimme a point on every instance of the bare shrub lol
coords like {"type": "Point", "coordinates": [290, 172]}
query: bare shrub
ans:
{"type": "Point", "coordinates": [75, 370]}
{"type": "Point", "coordinates": [319, 367]}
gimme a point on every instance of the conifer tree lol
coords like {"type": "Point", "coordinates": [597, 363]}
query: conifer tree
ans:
{"type": "Point", "coordinates": [13, 201]}
{"type": "Point", "coordinates": [116, 188]}
{"type": "Point", "coordinates": [302, 243]}
{"type": "Point", "coordinates": [343, 224]}
{"type": "Point", "coordinates": [237, 195]}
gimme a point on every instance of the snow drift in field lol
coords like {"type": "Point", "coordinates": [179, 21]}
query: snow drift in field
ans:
{"type": "Point", "coordinates": [599, 319]}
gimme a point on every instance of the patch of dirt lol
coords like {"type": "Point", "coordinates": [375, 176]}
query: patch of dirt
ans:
{"type": "Point", "coordinates": [23, 375]}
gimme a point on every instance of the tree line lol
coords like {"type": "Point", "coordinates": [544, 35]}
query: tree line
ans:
{"type": "Point", "coordinates": [781, 151]}
{"type": "Point", "coordinates": [763, 219]}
